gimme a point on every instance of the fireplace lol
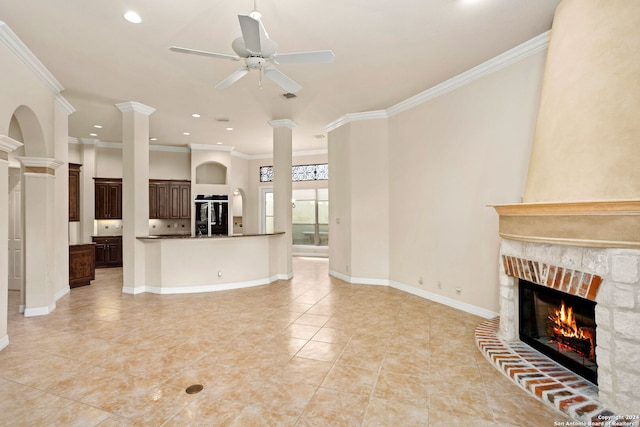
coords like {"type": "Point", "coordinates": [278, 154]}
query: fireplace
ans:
{"type": "Point", "coordinates": [560, 325]}
{"type": "Point", "coordinates": [602, 288]}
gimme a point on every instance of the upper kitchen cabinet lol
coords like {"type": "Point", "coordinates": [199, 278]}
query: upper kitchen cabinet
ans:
{"type": "Point", "coordinates": [74, 192]}
{"type": "Point", "coordinates": [169, 199]}
{"type": "Point", "coordinates": [108, 198]}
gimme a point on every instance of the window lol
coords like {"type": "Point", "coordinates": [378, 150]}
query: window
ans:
{"type": "Point", "coordinates": [316, 172]}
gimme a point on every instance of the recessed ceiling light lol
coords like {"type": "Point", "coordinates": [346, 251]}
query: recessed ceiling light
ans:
{"type": "Point", "coordinates": [186, 133]}
{"type": "Point", "coordinates": [153, 139]}
{"type": "Point", "coordinates": [132, 17]}
{"type": "Point", "coordinates": [196, 115]}
{"type": "Point", "coordinates": [97, 126]}
{"type": "Point", "coordinates": [93, 134]}
{"type": "Point", "coordinates": [219, 143]}
{"type": "Point", "coordinates": [229, 128]}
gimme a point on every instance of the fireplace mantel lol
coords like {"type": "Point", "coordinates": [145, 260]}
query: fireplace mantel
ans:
{"type": "Point", "coordinates": [605, 224]}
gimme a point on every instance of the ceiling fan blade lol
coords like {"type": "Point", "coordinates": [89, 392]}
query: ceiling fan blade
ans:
{"type": "Point", "coordinates": [316, 57]}
{"type": "Point", "coordinates": [204, 53]}
{"type": "Point", "coordinates": [233, 77]}
{"type": "Point", "coordinates": [282, 80]}
{"type": "Point", "coordinates": [251, 32]}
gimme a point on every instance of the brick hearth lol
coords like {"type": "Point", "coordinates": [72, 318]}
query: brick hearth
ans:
{"type": "Point", "coordinates": [547, 380]}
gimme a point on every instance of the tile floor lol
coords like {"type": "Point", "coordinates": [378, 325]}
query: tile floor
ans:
{"type": "Point", "coordinates": [312, 351]}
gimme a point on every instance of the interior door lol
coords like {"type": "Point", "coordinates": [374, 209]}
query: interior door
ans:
{"type": "Point", "coordinates": [15, 231]}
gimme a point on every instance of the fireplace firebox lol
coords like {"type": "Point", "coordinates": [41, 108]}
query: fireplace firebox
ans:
{"type": "Point", "coordinates": [560, 325]}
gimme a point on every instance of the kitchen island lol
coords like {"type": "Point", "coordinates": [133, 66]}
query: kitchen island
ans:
{"type": "Point", "coordinates": [178, 264]}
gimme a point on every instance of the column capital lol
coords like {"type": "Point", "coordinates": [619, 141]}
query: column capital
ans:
{"type": "Point", "coordinates": [40, 162]}
{"type": "Point", "coordinates": [136, 107]}
{"type": "Point", "coordinates": [8, 144]}
{"type": "Point", "coordinates": [282, 123]}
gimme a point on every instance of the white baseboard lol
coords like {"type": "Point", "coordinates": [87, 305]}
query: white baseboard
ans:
{"type": "Point", "coordinates": [4, 342]}
{"type": "Point", "coordinates": [62, 292]}
{"type": "Point", "coordinates": [204, 288]}
{"type": "Point", "coordinates": [359, 280]}
{"type": "Point", "coordinates": [39, 311]}
{"type": "Point", "coordinates": [450, 302]}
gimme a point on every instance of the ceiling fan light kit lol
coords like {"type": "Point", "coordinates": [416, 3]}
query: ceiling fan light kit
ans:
{"type": "Point", "coordinates": [258, 52]}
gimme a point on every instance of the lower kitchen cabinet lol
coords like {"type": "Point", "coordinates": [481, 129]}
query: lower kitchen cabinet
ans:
{"type": "Point", "coordinates": [82, 264]}
{"type": "Point", "coordinates": [108, 251]}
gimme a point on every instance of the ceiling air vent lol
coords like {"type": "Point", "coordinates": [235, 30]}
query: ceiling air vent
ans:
{"type": "Point", "coordinates": [222, 119]}
{"type": "Point", "coordinates": [289, 95]}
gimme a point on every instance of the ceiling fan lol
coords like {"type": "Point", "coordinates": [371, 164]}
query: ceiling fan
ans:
{"type": "Point", "coordinates": [259, 53]}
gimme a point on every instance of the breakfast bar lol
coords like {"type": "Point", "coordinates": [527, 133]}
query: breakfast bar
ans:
{"type": "Point", "coordinates": [189, 264]}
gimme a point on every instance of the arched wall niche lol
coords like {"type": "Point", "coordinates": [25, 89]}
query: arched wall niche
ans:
{"type": "Point", "coordinates": [15, 133]}
{"type": "Point", "coordinates": [211, 173]}
{"type": "Point", "coordinates": [25, 127]}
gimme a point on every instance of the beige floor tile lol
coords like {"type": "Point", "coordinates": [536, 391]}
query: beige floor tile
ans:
{"type": "Point", "coordinates": [334, 408]}
{"type": "Point", "coordinates": [410, 389]}
{"type": "Point", "coordinates": [326, 352]}
{"type": "Point", "coordinates": [387, 413]}
{"type": "Point", "coordinates": [311, 351]}
{"type": "Point", "coordinates": [350, 379]}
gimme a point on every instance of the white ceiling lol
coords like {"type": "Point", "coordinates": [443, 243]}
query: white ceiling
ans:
{"type": "Point", "coordinates": [386, 51]}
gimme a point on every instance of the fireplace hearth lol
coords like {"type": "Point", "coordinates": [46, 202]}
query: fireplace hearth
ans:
{"type": "Point", "coordinates": [560, 326]}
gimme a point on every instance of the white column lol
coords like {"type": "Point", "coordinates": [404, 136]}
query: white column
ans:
{"type": "Point", "coordinates": [87, 190]}
{"type": "Point", "coordinates": [62, 110]}
{"type": "Point", "coordinates": [282, 188]}
{"type": "Point", "coordinates": [135, 193]}
{"type": "Point", "coordinates": [38, 180]}
{"type": "Point", "coordinates": [7, 145]}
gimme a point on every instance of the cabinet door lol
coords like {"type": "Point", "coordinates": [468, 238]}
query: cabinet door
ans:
{"type": "Point", "coordinates": [74, 192]}
{"type": "Point", "coordinates": [185, 200]}
{"type": "Point", "coordinates": [163, 200]}
{"type": "Point", "coordinates": [101, 255]}
{"type": "Point", "coordinates": [174, 204]}
{"type": "Point", "coordinates": [114, 206]}
{"type": "Point", "coordinates": [101, 200]}
{"type": "Point", "coordinates": [114, 254]}
{"type": "Point", "coordinates": [153, 200]}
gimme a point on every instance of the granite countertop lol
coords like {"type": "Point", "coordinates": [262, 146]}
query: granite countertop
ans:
{"type": "Point", "coordinates": [189, 236]}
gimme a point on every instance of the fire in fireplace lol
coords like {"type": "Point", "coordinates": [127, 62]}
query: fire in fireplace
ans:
{"type": "Point", "coordinates": [560, 325]}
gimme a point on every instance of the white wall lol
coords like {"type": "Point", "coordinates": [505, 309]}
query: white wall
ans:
{"type": "Point", "coordinates": [448, 158]}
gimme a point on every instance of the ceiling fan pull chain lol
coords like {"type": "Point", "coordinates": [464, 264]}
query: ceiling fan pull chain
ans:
{"type": "Point", "coordinates": [260, 79]}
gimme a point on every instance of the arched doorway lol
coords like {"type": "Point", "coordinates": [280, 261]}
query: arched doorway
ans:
{"type": "Point", "coordinates": [25, 128]}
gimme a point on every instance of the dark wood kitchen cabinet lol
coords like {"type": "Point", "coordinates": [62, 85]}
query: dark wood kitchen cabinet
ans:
{"type": "Point", "coordinates": [108, 198]}
{"type": "Point", "coordinates": [82, 264]}
{"type": "Point", "coordinates": [169, 199]}
{"type": "Point", "coordinates": [74, 192]}
{"type": "Point", "coordinates": [108, 251]}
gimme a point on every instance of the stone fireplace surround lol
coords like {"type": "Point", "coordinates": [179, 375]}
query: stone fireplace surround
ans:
{"type": "Point", "coordinates": [608, 276]}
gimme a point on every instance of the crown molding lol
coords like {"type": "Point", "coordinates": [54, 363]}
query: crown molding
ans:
{"type": "Point", "coordinates": [518, 53]}
{"type": "Point", "coordinates": [355, 117]}
{"type": "Point", "coordinates": [8, 144]}
{"type": "Point", "coordinates": [169, 148]}
{"type": "Point", "coordinates": [40, 162]}
{"type": "Point", "coordinates": [13, 42]}
{"type": "Point", "coordinates": [64, 104]}
{"type": "Point", "coordinates": [207, 147]}
{"type": "Point", "coordinates": [129, 106]}
{"type": "Point", "coordinates": [282, 123]}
